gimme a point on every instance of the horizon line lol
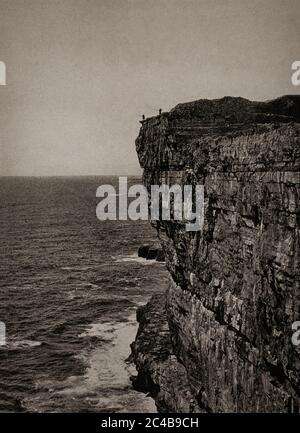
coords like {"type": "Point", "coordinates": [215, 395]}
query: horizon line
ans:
{"type": "Point", "coordinates": [68, 175]}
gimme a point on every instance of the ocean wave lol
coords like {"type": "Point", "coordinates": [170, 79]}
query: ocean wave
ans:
{"type": "Point", "coordinates": [134, 258]}
{"type": "Point", "coordinates": [20, 344]}
{"type": "Point", "coordinates": [104, 331]}
{"type": "Point", "coordinates": [75, 268]}
{"type": "Point", "coordinates": [62, 281]}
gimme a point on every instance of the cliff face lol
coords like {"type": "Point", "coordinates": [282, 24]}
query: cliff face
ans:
{"type": "Point", "coordinates": [221, 340]}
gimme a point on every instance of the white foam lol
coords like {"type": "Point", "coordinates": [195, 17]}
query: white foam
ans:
{"type": "Point", "coordinates": [134, 258]}
{"type": "Point", "coordinates": [75, 268]}
{"type": "Point", "coordinates": [21, 344]}
{"type": "Point", "coordinates": [103, 330]}
{"type": "Point", "coordinates": [106, 383]}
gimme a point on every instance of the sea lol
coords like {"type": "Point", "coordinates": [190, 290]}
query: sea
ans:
{"type": "Point", "coordinates": [70, 286]}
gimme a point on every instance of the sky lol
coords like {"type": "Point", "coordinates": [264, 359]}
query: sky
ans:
{"type": "Point", "coordinates": [80, 73]}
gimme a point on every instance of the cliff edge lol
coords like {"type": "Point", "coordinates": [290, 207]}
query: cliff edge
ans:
{"type": "Point", "coordinates": [221, 338]}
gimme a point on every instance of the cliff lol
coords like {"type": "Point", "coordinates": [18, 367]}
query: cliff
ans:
{"type": "Point", "coordinates": [220, 340]}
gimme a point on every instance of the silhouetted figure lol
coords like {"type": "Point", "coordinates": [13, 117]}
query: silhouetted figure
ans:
{"type": "Point", "coordinates": [160, 111]}
{"type": "Point", "coordinates": [143, 116]}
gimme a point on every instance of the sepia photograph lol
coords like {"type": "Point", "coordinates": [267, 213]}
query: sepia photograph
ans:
{"type": "Point", "coordinates": [150, 211]}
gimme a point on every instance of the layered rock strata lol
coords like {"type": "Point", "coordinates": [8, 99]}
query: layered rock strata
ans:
{"type": "Point", "coordinates": [222, 340]}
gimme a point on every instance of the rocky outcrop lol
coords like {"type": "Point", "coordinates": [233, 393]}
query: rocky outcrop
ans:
{"type": "Point", "coordinates": [226, 324]}
{"type": "Point", "coordinates": [151, 252]}
{"type": "Point", "coordinates": [159, 372]}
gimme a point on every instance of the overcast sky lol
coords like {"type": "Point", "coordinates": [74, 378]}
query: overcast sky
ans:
{"type": "Point", "coordinates": [80, 73]}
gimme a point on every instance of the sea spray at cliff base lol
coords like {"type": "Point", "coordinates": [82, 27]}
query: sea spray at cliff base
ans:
{"type": "Point", "coordinates": [68, 299]}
